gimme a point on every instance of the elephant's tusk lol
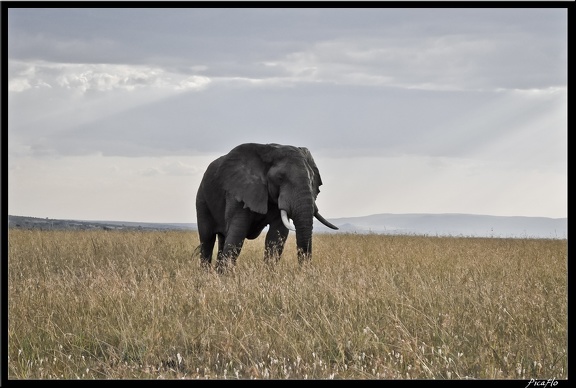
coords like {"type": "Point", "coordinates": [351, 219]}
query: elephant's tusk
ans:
{"type": "Point", "coordinates": [286, 221]}
{"type": "Point", "coordinates": [323, 220]}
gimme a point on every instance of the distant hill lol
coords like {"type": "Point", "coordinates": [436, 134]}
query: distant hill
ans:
{"type": "Point", "coordinates": [55, 224]}
{"type": "Point", "coordinates": [465, 225]}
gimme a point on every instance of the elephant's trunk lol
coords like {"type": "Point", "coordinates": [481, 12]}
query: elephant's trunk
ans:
{"type": "Point", "coordinates": [303, 215]}
{"type": "Point", "coordinates": [304, 242]}
{"type": "Point", "coordinates": [303, 231]}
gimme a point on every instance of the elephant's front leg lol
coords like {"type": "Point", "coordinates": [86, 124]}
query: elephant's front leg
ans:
{"type": "Point", "coordinates": [231, 245]}
{"type": "Point", "coordinates": [275, 240]}
{"type": "Point", "coordinates": [227, 257]}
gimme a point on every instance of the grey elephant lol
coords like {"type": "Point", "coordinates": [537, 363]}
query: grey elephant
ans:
{"type": "Point", "coordinates": [253, 186]}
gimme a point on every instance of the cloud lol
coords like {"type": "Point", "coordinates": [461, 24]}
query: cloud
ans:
{"type": "Point", "coordinates": [171, 168]}
{"type": "Point", "coordinates": [452, 62]}
{"type": "Point", "coordinates": [437, 82]}
{"type": "Point", "coordinates": [98, 77]}
{"type": "Point", "coordinates": [414, 48]}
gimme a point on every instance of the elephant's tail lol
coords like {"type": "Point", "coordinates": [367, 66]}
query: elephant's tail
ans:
{"type": "Point", "coordinates": [196, 252]}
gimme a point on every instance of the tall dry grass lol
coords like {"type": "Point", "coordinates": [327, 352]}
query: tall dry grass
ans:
{"type": "Point", "coordinates": [136, 305]}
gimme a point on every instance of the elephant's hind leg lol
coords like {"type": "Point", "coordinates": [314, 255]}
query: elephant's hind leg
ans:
{"type": "Point", "coordinates": [206, 248]}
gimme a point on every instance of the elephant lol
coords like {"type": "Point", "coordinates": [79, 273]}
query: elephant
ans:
{"type": "Point", "coordinates": [253, 186]}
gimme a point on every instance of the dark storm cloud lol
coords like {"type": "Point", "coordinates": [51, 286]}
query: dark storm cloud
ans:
{"type": "Point", "coordinates": [150, 35]}
{"type": "Point", "coordinates": [232, 42]}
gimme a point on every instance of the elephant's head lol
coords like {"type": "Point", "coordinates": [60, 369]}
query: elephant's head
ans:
{"type": "Point", "coordinates": [271, 179]}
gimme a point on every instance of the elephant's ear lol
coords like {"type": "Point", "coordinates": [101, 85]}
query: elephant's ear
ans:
{"type": "Point", "coordinates": [316, 180]}
{"type": "Point", "coordinates": [242, 175]}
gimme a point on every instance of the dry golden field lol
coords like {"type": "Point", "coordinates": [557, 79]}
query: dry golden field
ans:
{"type": "Point", "coordinates": [137, 305]}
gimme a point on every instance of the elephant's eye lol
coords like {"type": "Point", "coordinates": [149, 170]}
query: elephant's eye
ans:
{"type": "Point", "coordinates": [278, 175]}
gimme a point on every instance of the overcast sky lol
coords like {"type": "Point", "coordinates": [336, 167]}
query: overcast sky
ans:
{"type": "Point", "coordinates": [114, 114]}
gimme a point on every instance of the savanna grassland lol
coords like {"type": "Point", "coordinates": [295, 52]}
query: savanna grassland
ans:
{"type": "Point", "coordinates": [137, 305]}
